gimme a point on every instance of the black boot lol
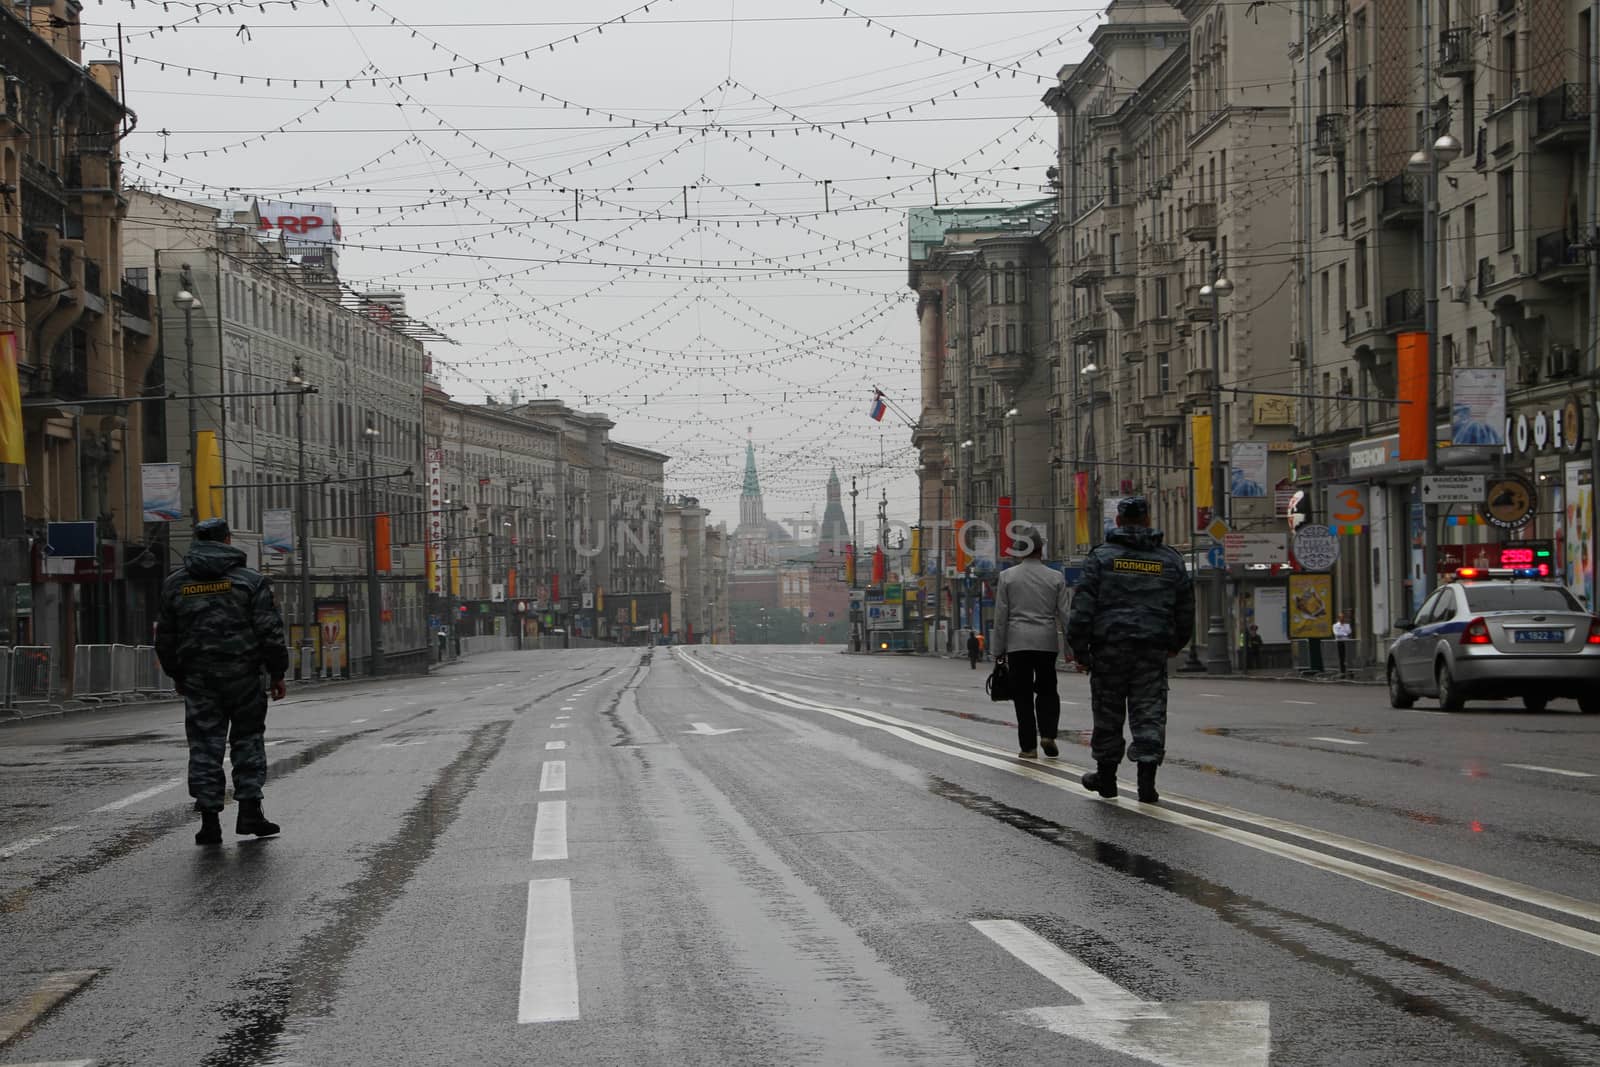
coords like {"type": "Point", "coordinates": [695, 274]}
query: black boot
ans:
{"type": "Point", "coordinates": [210, 832]}
{"type": "Point", "coordinates": [1147, 783]}
{"type": "Point", "coordinates": [1102, 780]}
{"type": "Point", "coordinates": [252, 821]}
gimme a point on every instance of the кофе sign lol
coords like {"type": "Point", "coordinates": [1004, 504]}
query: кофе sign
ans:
{"type": "Point", "coordinates": [1557, 429]}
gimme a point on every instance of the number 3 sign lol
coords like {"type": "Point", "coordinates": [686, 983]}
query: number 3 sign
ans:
{"type": "Point", "coordinates": [1347, 505]}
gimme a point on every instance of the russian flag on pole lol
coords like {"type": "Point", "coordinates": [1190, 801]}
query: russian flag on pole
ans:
{"type": "Point", "coordinates": [878, 406]}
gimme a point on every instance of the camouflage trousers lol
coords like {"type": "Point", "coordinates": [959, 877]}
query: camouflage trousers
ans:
{"type": "Point", "coordinates": [213, 711]}
{"type": "Point", "coordinates": [1131, 684]}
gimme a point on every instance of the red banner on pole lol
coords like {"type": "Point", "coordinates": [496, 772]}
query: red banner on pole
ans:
{"type": "Point", "coordinates": [878, 566]}
{"type": "Point", "coordinates": [1416, 407]}
{"type": "Point", "coordinates": [1002, 536]}
{"type": "Point", "coordinates": [384, 557]}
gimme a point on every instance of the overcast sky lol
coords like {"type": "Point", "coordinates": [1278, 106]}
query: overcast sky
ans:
{"type": "Point", "coordinates": [768, 298]}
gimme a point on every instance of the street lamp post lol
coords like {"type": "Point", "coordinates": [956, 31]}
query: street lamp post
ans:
{"type": "Point", "coordinates": [1217, 661]}
{"type": "Point", "coordinates": [189, 303]}
{"type": "Point", "coordinates": [1435, 154]}
{"type": "Point", "coordinates": [374, 594]}
{"type": "Point", "coordinates": [964, 608]}
{"type": "Point", "coordinates": [1086, 375]}
{"type": "Point", "coordinates": [307, 615]}
{"type": "Point", "coordinates": [1016, 480]}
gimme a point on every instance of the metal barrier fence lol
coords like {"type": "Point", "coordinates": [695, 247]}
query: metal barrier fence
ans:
{"type": "Point", "coordinates": [29, 672]}
{"type": "Point", "coordinates": [117, 672]}
{"type": "Point", "coordinates": [472, 646]}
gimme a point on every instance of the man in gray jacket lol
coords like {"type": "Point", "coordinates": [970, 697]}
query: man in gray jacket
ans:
{"type": "Point", "coordinates": [1030, 607]}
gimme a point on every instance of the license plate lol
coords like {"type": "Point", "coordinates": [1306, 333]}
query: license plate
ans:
{"type": "Point", "coordinates": [1541, 635]}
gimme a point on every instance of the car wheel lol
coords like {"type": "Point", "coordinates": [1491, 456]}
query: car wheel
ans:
{"type": "Point", "coordinates": [1535, 704]}
{"type": "Point", "coordinates": [1589, 704]}
{"type": "Point", "coordinates": [1450, 696]}
{"type": "Point", "coordinates": [1399, 695]}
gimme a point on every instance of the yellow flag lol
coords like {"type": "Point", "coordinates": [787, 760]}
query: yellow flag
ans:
{"type": "Point", "coordinates": [1200, 434]}
{"type": "Point", "coordinates": [916, 552]}
{"type": "Point", "coordinates": [208, 491]}
{"type": "Point", "coordinates": [455, 576]}
{"type": "Point", "coordinates": [12, 434]}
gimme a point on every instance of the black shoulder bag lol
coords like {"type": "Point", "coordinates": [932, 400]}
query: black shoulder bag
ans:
{"type": "Point", "coordinates": [998, 684]}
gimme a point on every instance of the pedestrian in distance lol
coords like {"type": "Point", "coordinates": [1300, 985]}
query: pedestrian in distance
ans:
{"type": "Point", "coordinates": [1030, 608]}
{"type": "Point", "coordinates": [220, 639]}
{"type": "Point", "coordinates": [1254, 643]}
{"type": "Point", "coordinates": [1133, 610]}
{"type": "Point", "coordinates": [1342, 632]}
{"type": "Point", "coordinates": [974, 648]}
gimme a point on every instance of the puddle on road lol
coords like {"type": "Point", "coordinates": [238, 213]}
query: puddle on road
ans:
{"type": "Point", "coordinates": [307, 983]}
{"type": "Point", "coordinates": [1554, 1035]}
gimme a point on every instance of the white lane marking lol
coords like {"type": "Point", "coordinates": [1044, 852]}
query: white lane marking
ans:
{"type": "Point", "coordinates": [143, 794]}
{"type": "Point", "coordinates": [553, 776]}
{"type": "Point", "coordinates": [705, 729]}
{"type": "Point", "coordinates": [1307, 703]}
{"type": "Point", "coordinates": [357, 722]}
{"type": "Point", "coordinates": [552, 746]}
{"type": "Point", "coordinates": [1003, 760]}
{"type": "Point", "coordinates": [283, 741]}
{"type": "Point", "coordinates": [559, 725]}
{"type": "Point", "coordinates": [1550, 770]}
{"type": "Point", "coordinates": [566, 707]}
{"type": "Point", "coordinates": [549, 956]}
{"type": "Point", "coordinates": [386, 711]}
{"type": "Point", "coordinates": [562, 718]}
{"type": "Point", "coordinates": [21, 1013]}
{"type": "Point", "coordinates": [401, 744]}
{"type": "Point", "coordinates": [54, 1063]}
{"type": "Point", "coordinates": [1213, 696]}
{"type": "Point", "coordinates": [550, 831]}
{"type": "Point", "coordinates": [1223, 1033]}
{"type": "Point", "coordinates": [16, 848]}
{"type": "Point", "coordinates": [1338, 740]}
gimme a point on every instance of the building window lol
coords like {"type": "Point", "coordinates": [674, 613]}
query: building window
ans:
{"type": "Point", "coordinates": [1322, 199]}
{"type": "Point", "coordinates": [1361, 272]}
{"type": "Point", "coordinates": [994, 285]}
{"type": "Point", "coordinates": [1325, 301]}
{"type": "Point", "coordinates": [1011, 283]}
{"type": "Point", "coordinates": [1011, 337]}
{"type": "Point", "coordinates": [994, 339]}
{"type": "Point", "coordinates": [1161, 298]}
{"type": "Point", "coordinates": [1509, 82]}
{"type": "Point", "coordinates": [1113, 178]}
{"type": "Point", "coordinates": [1508, 209]}
{"type": "Point", "coordinates": [1163, 372]}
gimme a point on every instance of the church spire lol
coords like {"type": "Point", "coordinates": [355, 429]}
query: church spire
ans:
{"type": "Point", "coordinates": [752, 486]}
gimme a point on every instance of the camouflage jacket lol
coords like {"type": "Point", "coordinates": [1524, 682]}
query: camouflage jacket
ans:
{"type": "Point", "coordinates": [218, 618]}
{"type": "Point", "coordinates": [1135, 592]}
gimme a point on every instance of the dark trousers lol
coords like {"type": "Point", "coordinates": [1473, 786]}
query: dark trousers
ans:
{"type": "Point", "coordinates": [1130, 686]}
{"type": "Point", "coordinates": [1033, 683]}
{"type": "Point", "coordinates": [216, 714]}
{"type": "Point", "coordinates": [972, 657]}
{"type": "Point", "coordinates": [1340, 646]}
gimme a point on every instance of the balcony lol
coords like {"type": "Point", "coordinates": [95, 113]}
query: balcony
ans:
{"type": "Point", "coordinates": [1200, 221]}
{"type": "Point", "coordinates": [1198, 386]}
{"type": "Point", "coordinates": [1357, 324]}
{"type": "Point", "coordinates": [1361, 92]}
{"type": "Point", "coordinates": [1455, 53]}
{"type": "Point", "coordinates": [1089, 327]}
{"type": "Point", "coordinates": [1330, 136]}
{"type": "Point", "coordinates": [1088, 270]}
{"type": "Point", "coordinates": [1133, 416]}
{"type": "Point", "coordinates": [1162, 410]}
{"type": "Point", "coordinates": [1561, 116]}
{"type": "Point", "coordinates": [1400, 200]}
{"type": "Point", "coordinates": [1120, 292]}
{"type": "Point", "coordinates": [1133, 346]}
{"type": "Point", "coordinates": [1197, 308]}
{"type": "Point", "coordinates": [1159, 254]}
{"type": "Point", "coordinates": [1402, 311]}
{"type": "Point", "coordinates": [1158, 334]}
{"type": "Point", "coordinates": [135, 301]}
{"type": "Point", "coordinates": [1559, 257]}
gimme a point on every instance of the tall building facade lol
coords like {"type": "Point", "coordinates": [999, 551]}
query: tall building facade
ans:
{"type": "Point", "coordinates": [81, 339]}
{"type": "Point", "coordinates": [259, 324]}
{"type": "Point", "coordinates": [549, 524]}
{"type": "Point", "coordinates": [1515, 294]}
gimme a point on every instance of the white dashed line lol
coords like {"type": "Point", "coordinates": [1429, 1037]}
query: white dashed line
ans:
{"type": "Point", "coordinates": [1338, 740]}
{"type": "Point", "coordinates": [550, 831]}
{"type": "Point", "coordinates": [553, 777]}
{"type": "Point", "coordinates": [549, 957]}
{"type": "Point", "coordinates": [562, 718]}
{"type": "Point", "coordinates": [1550, 770]}
{"type": "Point", "coordinates": [143, 794]}
{"type": "Point", "coordinates": [18, 847]}
{"type": "Point", "coordinates": [553, 746]}
{"type": "Point", "coordinates": [559, 725]}
{"type": "Point", "coordinates": [1212, 696]}
{"type": "Point", "coordinates": [1307, 703]}
{"type": "Point", "coordinates": [357, 722]}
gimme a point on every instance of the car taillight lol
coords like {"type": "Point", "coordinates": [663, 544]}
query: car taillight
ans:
{"type": "Point", "coordinates": [1477, 633]}
{"type": "Point", "coordinates": [1594, 631]}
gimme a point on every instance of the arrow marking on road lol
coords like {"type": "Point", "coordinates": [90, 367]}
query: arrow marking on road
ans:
{"type": "Point", "coordinates": [1208, 1033]}
{"type": "Point", "coordinates": [705, 729]}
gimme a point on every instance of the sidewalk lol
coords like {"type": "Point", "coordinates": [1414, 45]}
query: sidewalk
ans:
{"type": "Point", "coordinates": [1371, 675]}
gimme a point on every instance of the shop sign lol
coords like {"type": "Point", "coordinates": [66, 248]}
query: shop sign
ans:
{"type": "Point", "coordinates": [1510, 502]}
{"type": "Point", "coordinates": [1347, 505]}
{"type": "Point", "coordinates": [1316, 547]}
{"type": "Point", "coordinates": [1545, 430]}
{"type": "Point", "coordinates": [1310, 597]}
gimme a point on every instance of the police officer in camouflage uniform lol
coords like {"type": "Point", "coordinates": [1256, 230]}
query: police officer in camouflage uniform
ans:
{"type": "Point", "coordinates": [220, 638]}
{"type": "Point", "coordinates": [1133, 610]}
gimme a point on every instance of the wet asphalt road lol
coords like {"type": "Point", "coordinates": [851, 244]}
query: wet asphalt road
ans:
{"type": "Point", "coordinates": [771, 856]}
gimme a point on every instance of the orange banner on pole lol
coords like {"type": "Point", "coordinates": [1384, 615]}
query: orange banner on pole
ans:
{"type": "Point", "coordinates": [12, 435]}
{"type": "Point", "coordinates": [1416, 410]}
{"type": "Point", "coordinates": [384, 556]}
{"type": "Point", "coordinates": [1080, 509]}
{"type": "Point", "coordinates": [963, 557]}
{"type": "Point", "coordinates": [1200, 434]}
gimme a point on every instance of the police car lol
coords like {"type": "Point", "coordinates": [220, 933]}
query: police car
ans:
{"type": "Point", "coordinates": [1495, 634]}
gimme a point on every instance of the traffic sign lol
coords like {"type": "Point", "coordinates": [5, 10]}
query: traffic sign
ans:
{"type": "Point", "coordinates": [1316, 547]}
{"type": "Point", "coordinates": [1452, 489]}
{"type": "Point", "coordinates": [1219, 530]}
{"type": "Point", "coordinates": [1257, 549]}
{"type": "Point", "coordinates": [1216, 558]}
